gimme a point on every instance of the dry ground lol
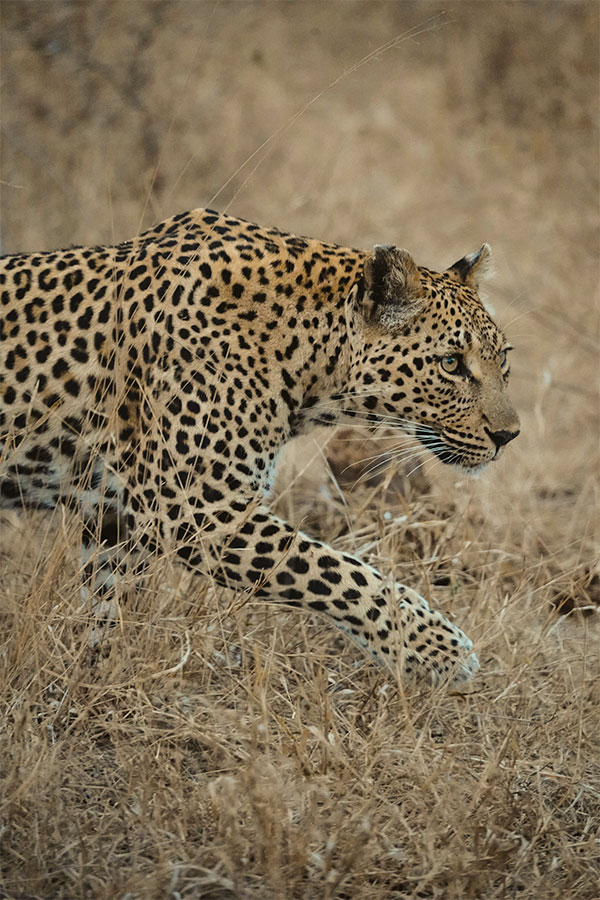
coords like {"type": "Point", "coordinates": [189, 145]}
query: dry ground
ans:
{"type": "Point", "coordinates": [223, 750]}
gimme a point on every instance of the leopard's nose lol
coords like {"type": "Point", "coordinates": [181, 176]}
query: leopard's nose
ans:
{"type": "Point", "coordinates": [500, 438]}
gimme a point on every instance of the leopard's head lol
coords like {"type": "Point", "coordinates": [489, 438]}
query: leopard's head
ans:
{"type": "Point", "coordinates": [430, 360]}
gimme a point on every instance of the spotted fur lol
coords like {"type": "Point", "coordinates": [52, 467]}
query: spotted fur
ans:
{"type": "Point", "coordinates": [153, 384]}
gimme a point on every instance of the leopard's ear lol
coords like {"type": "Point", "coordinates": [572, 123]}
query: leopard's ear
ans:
{"type": "Point", "coordinates": [392, 287]}
{"type": "Point", "coordinates": [474, 268]}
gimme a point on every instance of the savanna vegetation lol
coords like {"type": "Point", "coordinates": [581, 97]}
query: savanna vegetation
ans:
{"type": "Point", "coordinates": [227, 750]}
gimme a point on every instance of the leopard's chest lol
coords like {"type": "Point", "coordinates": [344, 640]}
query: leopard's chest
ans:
{"type": "Point", "coordinates": [267, 485]}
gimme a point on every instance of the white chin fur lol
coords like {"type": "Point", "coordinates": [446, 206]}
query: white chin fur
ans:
{"type": "Point", "coordinates": [472, 471]}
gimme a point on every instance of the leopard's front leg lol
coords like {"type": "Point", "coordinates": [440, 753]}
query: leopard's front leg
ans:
{"type": "Point", "coordinates": [391, 622]}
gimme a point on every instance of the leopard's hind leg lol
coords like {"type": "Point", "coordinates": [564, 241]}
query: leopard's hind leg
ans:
{"type": "Point", "coordinates": [104, 556]}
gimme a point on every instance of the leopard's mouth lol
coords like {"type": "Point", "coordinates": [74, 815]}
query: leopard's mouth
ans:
{"type": "Point", "coordinates": [450, 455]}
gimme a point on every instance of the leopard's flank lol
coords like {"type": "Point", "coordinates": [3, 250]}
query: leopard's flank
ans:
{"type": "Point", "coordinates": [152, 385]}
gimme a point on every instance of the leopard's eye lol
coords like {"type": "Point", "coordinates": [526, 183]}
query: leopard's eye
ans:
{"type": "Point", "coordinates": [450, 363]}
{"type": "Point", "coordinates": [503, 356]}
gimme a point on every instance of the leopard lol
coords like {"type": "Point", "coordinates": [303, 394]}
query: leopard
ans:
{"type": "Point", "coordinates": [151, 386]}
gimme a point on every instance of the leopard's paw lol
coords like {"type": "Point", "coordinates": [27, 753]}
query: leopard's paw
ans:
{"type": "Point", "coordinates": [437, 645]}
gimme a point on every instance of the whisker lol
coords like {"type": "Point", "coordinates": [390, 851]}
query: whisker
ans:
{"type": "Point", "coordinates": [382, 419]}
{"type": "Point", "coordinates": [526, 312]}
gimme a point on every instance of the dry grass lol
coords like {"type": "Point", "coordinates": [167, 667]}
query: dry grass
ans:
{"type": "Point", "coordinates": [224, 750]}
